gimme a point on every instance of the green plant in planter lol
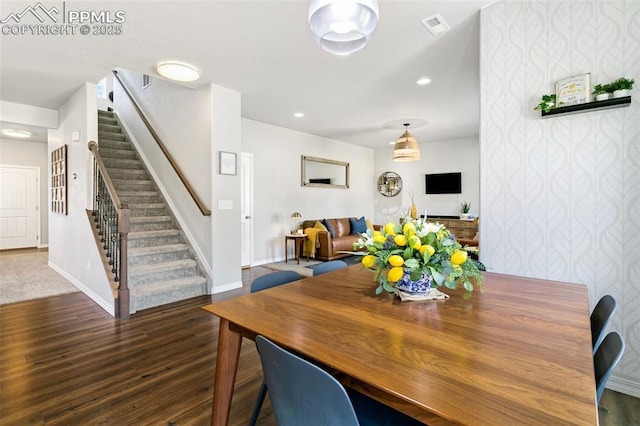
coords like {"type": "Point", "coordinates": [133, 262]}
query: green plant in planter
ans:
{"type": "Point", "coordinates": [548, 103]}
{"type": "Point", "coordinates": [622, 84]}
{"type": "Point", "coordinates": [601, 89]}
{"type": "Point", "coordinates": [465, 207]}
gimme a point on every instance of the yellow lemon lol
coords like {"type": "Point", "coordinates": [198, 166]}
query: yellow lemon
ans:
{"type": "Point", "coordinates": [368, 261]}
{"type": "Point", "coordinates": [409, 227]}
{"type": "Point", "coordinates": [459, 257]}
{"type": "Point", "coordinates": [396, 260]}
{"type": "Point", "coordinates": [395, 274]}
{"type": "Point", "coordinates": [389, 228]}
{"type": "Point", "coordinates": [414, 242]}
{"type": "Point", "coordinates": [428, 248]}
{"type": "Point", "coordinates": [378, 237]}
{"type": "Point", "coordinates": [400, 240]}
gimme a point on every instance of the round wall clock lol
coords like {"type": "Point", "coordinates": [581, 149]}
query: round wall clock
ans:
{"type": "Point", "coordinates": [389, 184]}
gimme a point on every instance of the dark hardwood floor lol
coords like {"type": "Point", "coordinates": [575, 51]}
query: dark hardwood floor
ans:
{"type": "Point", "coordinates": [64, 361]}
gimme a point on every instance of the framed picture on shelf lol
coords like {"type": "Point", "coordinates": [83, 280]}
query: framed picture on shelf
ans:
{"type": "Point", "coordinates": [227, 165]}
{"type": "Point", "coordinates": [573, 90]}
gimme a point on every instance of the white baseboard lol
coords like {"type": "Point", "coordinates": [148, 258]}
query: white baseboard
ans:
{"type": "Point", "coordinates": [41, 246]}
{"type": "Point", "coordinates": [107, 306]}
{"type": "Point", "coordinates": [226, 287]}
{"type": "Point", "coordinates": [264, 262]}
{"type": "Point", "coordinates": [624, 386]}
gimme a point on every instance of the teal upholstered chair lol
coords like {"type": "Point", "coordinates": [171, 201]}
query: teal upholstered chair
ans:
{"type": "Point", "coordinates": [332, 265]}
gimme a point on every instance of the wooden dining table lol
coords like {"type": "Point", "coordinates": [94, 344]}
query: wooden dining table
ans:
{"type": "Point", "coordinates": [517, 354]}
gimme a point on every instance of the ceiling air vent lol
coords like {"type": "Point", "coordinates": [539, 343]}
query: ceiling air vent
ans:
{"type": "Point", "coordinates": [436, 24]}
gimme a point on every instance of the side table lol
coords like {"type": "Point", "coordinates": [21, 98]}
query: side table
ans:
{"type": "Point", "coordinates": [298, 239]}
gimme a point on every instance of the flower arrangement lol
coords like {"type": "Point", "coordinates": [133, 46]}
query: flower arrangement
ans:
{"type": "Point", "coordinates": [419, 249]}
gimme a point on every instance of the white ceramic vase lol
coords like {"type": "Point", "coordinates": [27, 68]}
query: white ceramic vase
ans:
{"type": "Point", "coordinates": [620, 93]}
{"type": "Point", "coordinates": [602, 97]}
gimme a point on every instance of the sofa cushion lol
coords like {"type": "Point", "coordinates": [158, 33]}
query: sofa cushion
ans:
{"type": "Point", "coordinates": [358, 226]}
{"type": "Point", "coordinates": [341, 227]}
{"type": "Point", "coordinates": [327, 225]}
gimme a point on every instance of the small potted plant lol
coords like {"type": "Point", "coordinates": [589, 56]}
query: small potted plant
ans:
{"type": "Point", "coordinates": [547, 104]}
{"type": "Point", "coordinates": [601, 92]}
{"type": "Point", "coordinates": [621, 87]}
{"type": "Point", "coordinates": [465, 207]}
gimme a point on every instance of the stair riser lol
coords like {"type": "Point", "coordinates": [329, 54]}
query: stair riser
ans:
{"type": "Point", "coordinates": [133, 185]}
{"type": "Point", "coordinates": [154, 241]}
{"type": "Point", "coordinates": [120, 163]}
{"type": "Point", "coordinates": [128, 174]}
{"type": "Point", "coordinates": [151, 226]}
{"type": "Point", "coordinates": [148, 212]}
{"type": "Point", "coordinates": [153, 277]}
{"type": "Point", "coordinates": [106, 121]}
{"type": "Point", "coordinates": [110, 128]}
{"type": "Point", "coordinates": [115, 145]}
{"type": "Point", "coordinates": [141, 199]}
{"type": "Point", "coordinates": [117, 154]}
{"type": "Point", "coordinates": [111, 136]}
{"type": "Point", "coordinates": [162, 298]}
{"type": "Point", "coordinates": [158, 257]}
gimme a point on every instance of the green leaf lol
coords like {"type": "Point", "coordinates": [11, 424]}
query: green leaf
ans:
{"type": "Point", "coordinates": [437, 276]}
{"type": "Point", "coordinates": [412, 263]}
{"type": "Point", "coordinates": [388, 287]}
{"type": "Point", "coordinates": [378, 290]}
{"type": "Point", "coordinates": [416, 274]}
{"type": "Point", "coordinates": [468, 286]}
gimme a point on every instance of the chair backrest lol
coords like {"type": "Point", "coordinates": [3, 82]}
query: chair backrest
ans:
{"type": "Point", "coordinates": [300, 392]}
{"type": "Point", "coordinates": [605, 360]}
{"type": "Point", "coordinates": [273, 279]}
{"type": "Point", "coordinates": [600, 317]}
{"type": "Point", "coordinates": [329, 266]}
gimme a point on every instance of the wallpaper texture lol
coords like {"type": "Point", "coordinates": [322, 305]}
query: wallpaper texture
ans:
{"type": "Point", "coordinates": [560, 196]}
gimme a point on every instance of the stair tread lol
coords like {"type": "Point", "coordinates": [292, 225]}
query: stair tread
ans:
{"type": "Point", "coordinates": [145, 219]}
{"type": "Point", "coordinates": [129, 193]}
{"type": "Point", "coordinates": [170, 284]}
{"type": "Point", "coordinates": [146, 205]}
{"type": "Point", "coordinates": [138, 270]}
{"type": "Point", "coordinates": [153, 233]}
{"type": "Point", "coordinates": [166, 248]}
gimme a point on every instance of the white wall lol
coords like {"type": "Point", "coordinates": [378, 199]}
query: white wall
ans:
{"type": "Point", "coordinates": [28, 114]}
{"type": "Point", "coordinates": [456, 155]}
{"type": "Point", "coordinates": [560, 196]}
{"type": "Point", "coordinates": [72, 248]}
{"type": "Point", "coordinates": [277, 183]}
{"type": "Point", "coordinates": [33, 154]}
{"type": "Point", "coordinates": [182, 118]}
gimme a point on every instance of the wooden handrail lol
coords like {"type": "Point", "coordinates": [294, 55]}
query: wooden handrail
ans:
{"type": "Point", "coordinates": [203, 208]}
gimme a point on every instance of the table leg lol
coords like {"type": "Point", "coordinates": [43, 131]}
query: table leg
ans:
{"type": "Point", "coordinates": [298, 247]}
{"type": "Point", "coordinates": [226, 367]}
{"type": "Point", "coordinates": [286, 249]}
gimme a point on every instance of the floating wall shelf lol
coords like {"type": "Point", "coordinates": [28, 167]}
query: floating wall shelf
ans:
{"type": "Point", "coordinates": [574, 109]}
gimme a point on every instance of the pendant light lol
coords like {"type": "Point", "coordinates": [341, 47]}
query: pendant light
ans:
{"type": "Point", "coordinates": [406, 147]}
{"type": "Point", "coordinates": [343, 27]}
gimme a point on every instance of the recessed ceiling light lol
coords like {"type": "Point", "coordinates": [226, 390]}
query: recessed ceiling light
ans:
{"type": "Point", "coordinates": [392, 143]}
{"type": "Point", "coordinates": [298, 114]}
{"type": "Point", "coordinates": [16, 133]}
{"type": "Point", "coordinates": [178, 71]}
{"type": "Point", "coordinates": [422, 81]}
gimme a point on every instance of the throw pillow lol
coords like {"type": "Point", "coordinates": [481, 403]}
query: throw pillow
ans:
{"type": "Point", "coordinates": [358, 226]}
{"type": "Point", "coordinates": [327, 225]}
{"type": "Point", "coordinates": [320, 226]}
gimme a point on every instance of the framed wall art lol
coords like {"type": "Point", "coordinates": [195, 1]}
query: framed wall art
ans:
{"type": "Point", "coordinates": [573, 90]}
{"type": "Point", "coordinates": [59, 180]}
{"type": "Point", "coordinates": [227, 163]}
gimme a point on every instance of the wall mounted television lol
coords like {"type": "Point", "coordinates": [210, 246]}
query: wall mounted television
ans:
{"type": "Point", "coordinates": [443, 183]}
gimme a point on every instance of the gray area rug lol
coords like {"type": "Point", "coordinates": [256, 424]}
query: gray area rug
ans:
{"type": "Point", "coordinates": [26, 276]}
{"type": "Point", "coordinates": [303, 268]}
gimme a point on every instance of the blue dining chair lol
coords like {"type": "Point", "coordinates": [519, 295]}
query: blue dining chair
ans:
{"type": "Point", "coordinates": [600, 317]}
{"type": "Point", "coordinates": [605, 360]}
{"type": "Point", "coordinates": [302, 393]}
{"type": "Point", "coordinates": [262, 283]}
{"type": "Point", "coordinates": [332, 265]}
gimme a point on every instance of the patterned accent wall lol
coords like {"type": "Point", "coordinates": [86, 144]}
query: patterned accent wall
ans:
{"type": "Point", "coordinates": [560, 197]}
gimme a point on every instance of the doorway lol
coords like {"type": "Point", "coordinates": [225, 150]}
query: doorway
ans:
{"type": "Point", "coordinates": [19, 207]}
{"type": "Point", "coordinates": [246, 208]}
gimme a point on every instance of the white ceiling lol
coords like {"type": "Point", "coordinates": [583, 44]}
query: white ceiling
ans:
{"type": "Point", "coordinates": [264, 50]}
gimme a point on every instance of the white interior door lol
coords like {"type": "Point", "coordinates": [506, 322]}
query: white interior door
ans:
{"type": "Point", "coordinates": [246, 208]}
{"type": "Point", "coordinates": [19, 216]}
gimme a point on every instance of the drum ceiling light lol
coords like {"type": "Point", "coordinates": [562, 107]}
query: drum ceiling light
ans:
{"type": "Point", "coordinates": [342, 27]}
{"type": "Point", "coordinates": [406, 147]}
{"type": "Point", "coordinates": [178, 71]}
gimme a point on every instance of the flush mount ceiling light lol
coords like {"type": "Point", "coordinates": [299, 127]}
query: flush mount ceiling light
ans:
{"type": "Point", "coordinates": [178, 71]}
{"type": "Point", "coordinates": [12, 133]}
{"type": "Point", "coordinates": [343, 27]}
{"type": "Point", "coordinates": [423, 81]}
{"type": "Point", "coordinates": [406, 147]}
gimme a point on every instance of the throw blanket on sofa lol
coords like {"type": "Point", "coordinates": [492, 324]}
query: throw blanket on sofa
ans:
{"type": "Point", "coordinates": [312, 242]}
